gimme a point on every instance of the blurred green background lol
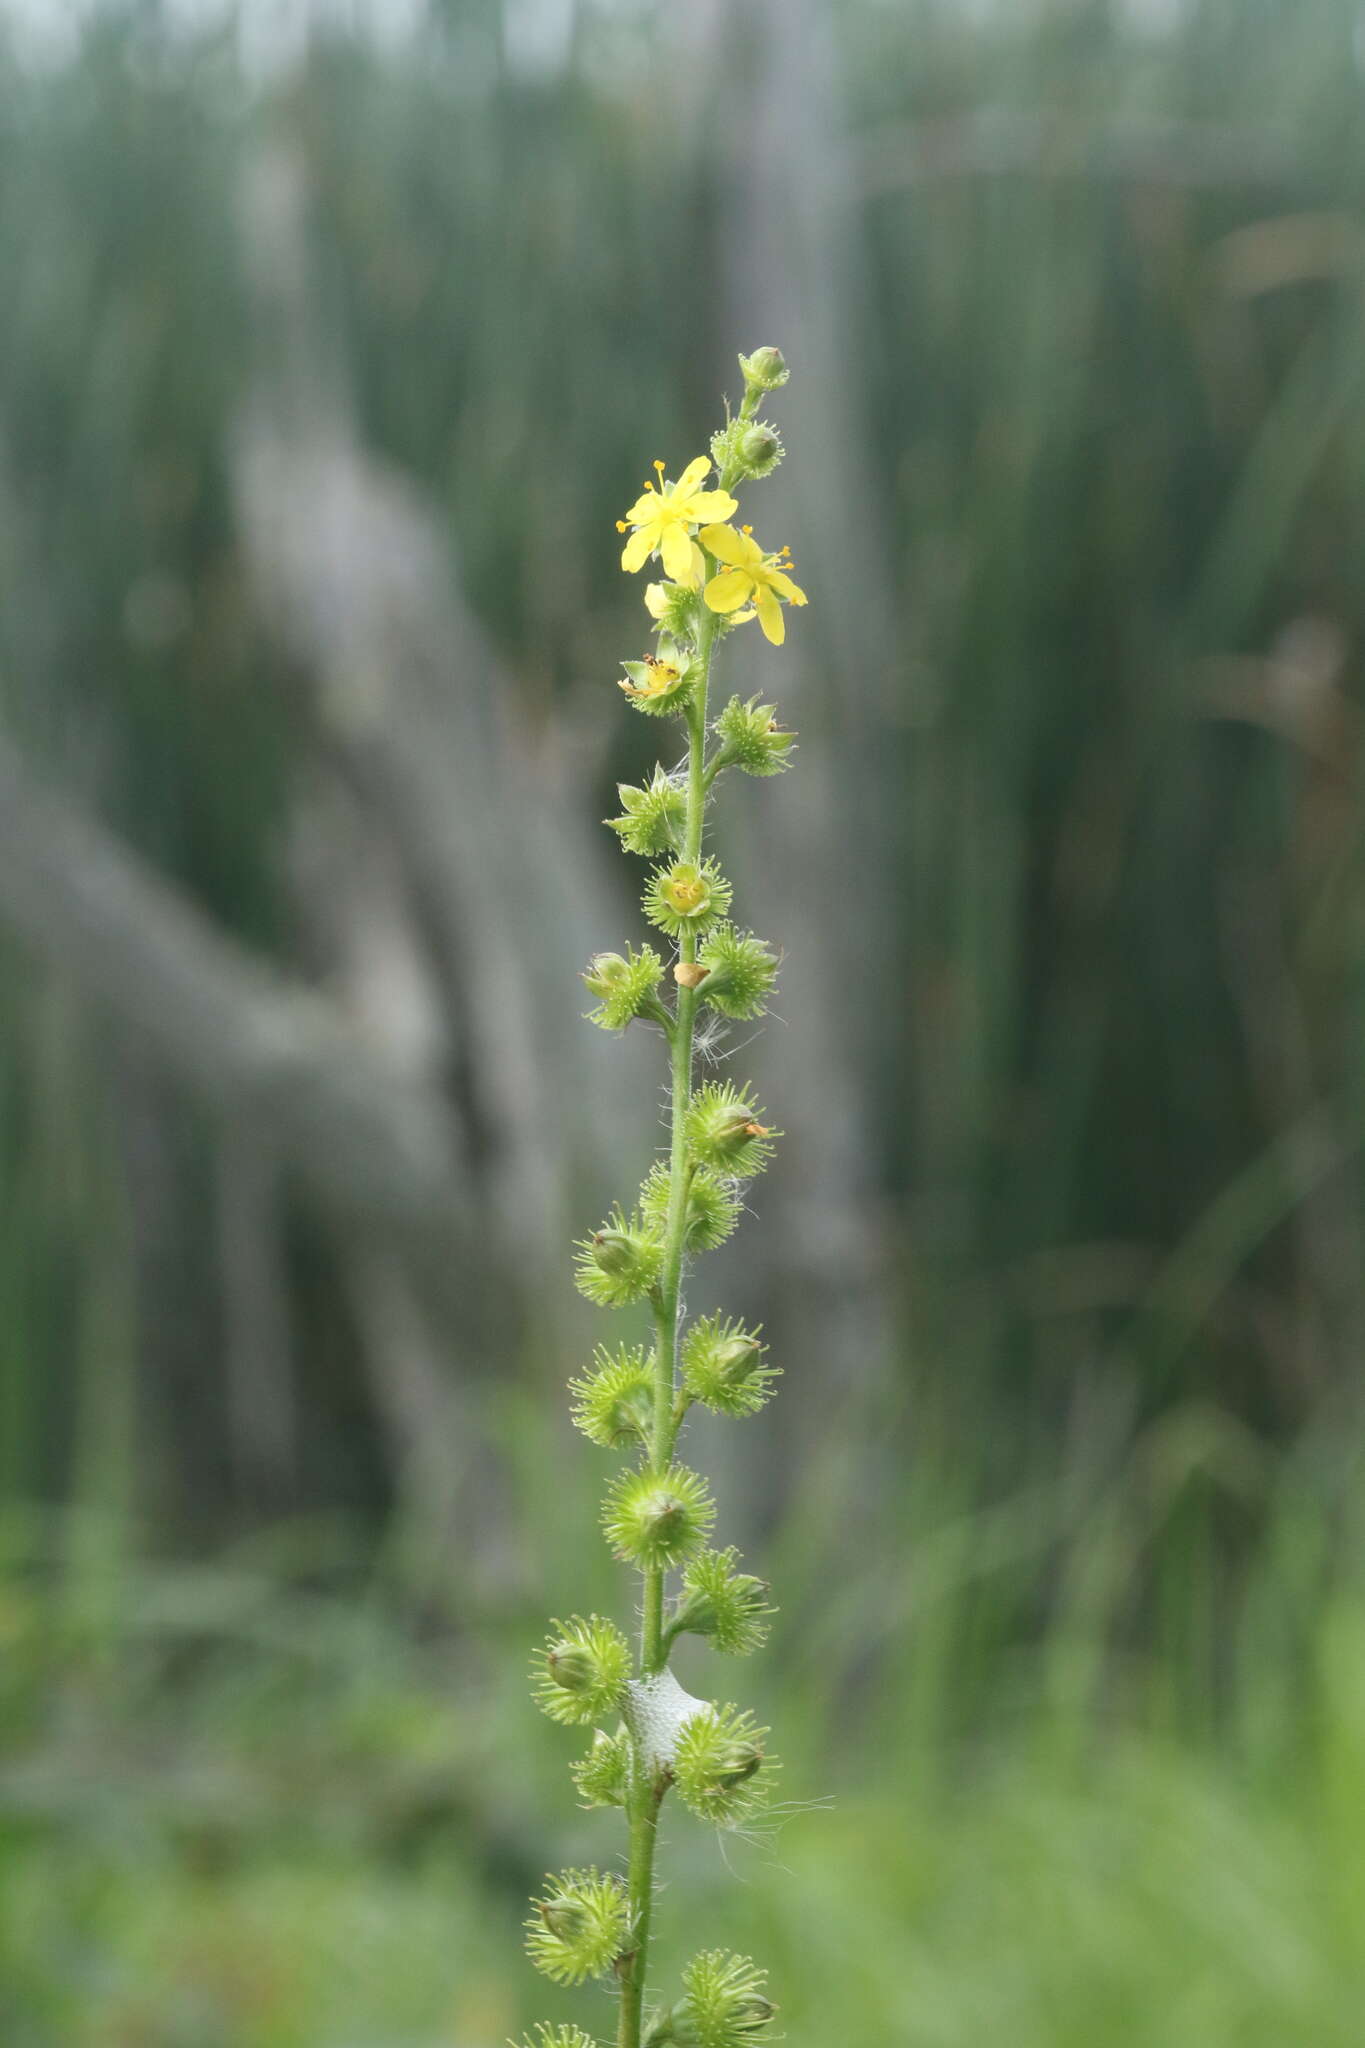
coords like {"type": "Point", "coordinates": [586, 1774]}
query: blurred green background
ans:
{"type": "Point", "coordinates": [332, 341]}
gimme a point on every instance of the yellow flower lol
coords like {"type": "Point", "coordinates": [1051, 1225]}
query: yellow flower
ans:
{"type": "Point", "coordinates": [664, 516]}
{"type": "Point", "coordinates": [657, 680]}
{"type": "Point", "coordinates": [750, 575]}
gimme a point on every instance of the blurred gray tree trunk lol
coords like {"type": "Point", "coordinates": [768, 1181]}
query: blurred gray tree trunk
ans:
{"type": "Point", "coordinates": [810, 849]}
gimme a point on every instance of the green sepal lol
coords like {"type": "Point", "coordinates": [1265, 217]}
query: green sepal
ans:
{"type": "Point", "coordinates": [555, 2037]}
{"type": "Point", "coordinates": [729, 1608]}
{"type": "Point", "coordinates": [656, 1520]}
{"type": "Point", "coordinates": [713, 1206]}
{"type": "Point", "coordinates": [723, 1130]}
{"type": "Point", "coordinates": [619, 1263]}
{"type": "Point", "coordinates": [625, 987]}
{"type": "Point", "coordinates": [582, 1671]}
{"type": "Point", "coordinates": [614, 1404]}
{"type": "Point", "coordinates": [720, 1767]}
{"type": "Point", "coordinates": [740, 972]}
{"type": "Point", "coordinates": [725, 2005]}
{"type": "Point", "coordinates": [723, 1367]}
{"type": "Point", "coordinates": [603, 1775]}
{"type": "Point", "coordinates": [579, 1927]}
{"type": "Point", "coordinates": [751, 740]}
{"type": "Point", "coordinates": [765, 370]}
{"type": "Point", "coordinates": [676, 609]}
{"type": "Point", "coordinates": [652, 818]}
{"type": "Point", "coordinates": [746, 448]}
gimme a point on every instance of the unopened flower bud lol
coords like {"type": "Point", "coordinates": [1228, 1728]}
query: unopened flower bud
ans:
{"type": "Point", "coordinates": [741, 1763]}
{"type": "Point", "coordinates": [719, 1756]}
{"type": "Point", "coordinates": [735, 1132]}
{"type": "Point", "coordinates": [760, 450]}
{"type": "Point", "coordinates": [765, 369]}
{"type": "Point", "coordinates": [658, 1520]}
{"type": "Point", "coordinates": [579, 1674]}
{"type": "Point", "coordinates": [726, 2004]}
{"type": "Point", "coordinates": [624, 987]}
{"type": "Point", "coordinates": [724, 1367]}
{"type": "Point", "coordinates": [728, 1606]}
{"type": "Point", "coordinates": [619, 1263]}
{"type": "Point", "coordinates": [614, 1403]}
{"type": "Point", "coordinates": [613, 1250]}
{"type": "Point", "coordinates": [724, 1131]}
{"type": "Point", "coordinates": [566, 1919]}
{"type": "Point", "coordinates": [742, 2019]}
{"type": "Point", "coordinates": [733, 1359]}
{"type": "Point", "coordinates": [741, 974]}
{"type": "Point", "coordinates": [571, 1665]}
{"type": "Point", "coordinates": [604, 973]}
{"type": "Point", "coordinates": [577, 1929]}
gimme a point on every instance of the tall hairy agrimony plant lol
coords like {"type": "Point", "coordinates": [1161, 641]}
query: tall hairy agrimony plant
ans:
{"type": "Point", "coordinates": [650, 1737]}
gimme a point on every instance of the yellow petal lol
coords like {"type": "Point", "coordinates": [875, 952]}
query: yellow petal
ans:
{"type": "Point", "coordinates": [712, 505]}
{"type": "Point", "coordinates": [698, 565]}
{"type": "Point", "coordinates": [743, 618]}
{"type": "Point", "coordinates": [637, 550]}
{"type": "Point", "coordinates": [726, 592]}
{"type": "Point", "coordinates": [643, 509]}
{"type": "Point", "coordinates": [655, 600]}
{"type": "Point", "coordinates": [675, 545]}
{"type": "Point", "coordinates": [728, 546]}
{"type": "Point", "coordinates": [770, 615]}
{"type": "Point", "coordinates": [784, 587]}
{"type": "Point", "coordinates": [691, 477]}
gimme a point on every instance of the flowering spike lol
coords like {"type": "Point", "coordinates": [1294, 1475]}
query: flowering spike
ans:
{"type": "Point", "coordinates": [658, 1515]}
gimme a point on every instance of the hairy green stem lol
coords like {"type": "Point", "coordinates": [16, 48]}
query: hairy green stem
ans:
{"type": "Point", "coordinates": [645, 1800]}
{"type": "Point", "coordinates": [645, 1797]}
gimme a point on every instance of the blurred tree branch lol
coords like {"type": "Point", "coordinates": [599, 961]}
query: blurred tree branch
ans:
{"type": "Point", "coordinates": [371, 1142]}
{"type": "Point", "coordinates": [507, 890]}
